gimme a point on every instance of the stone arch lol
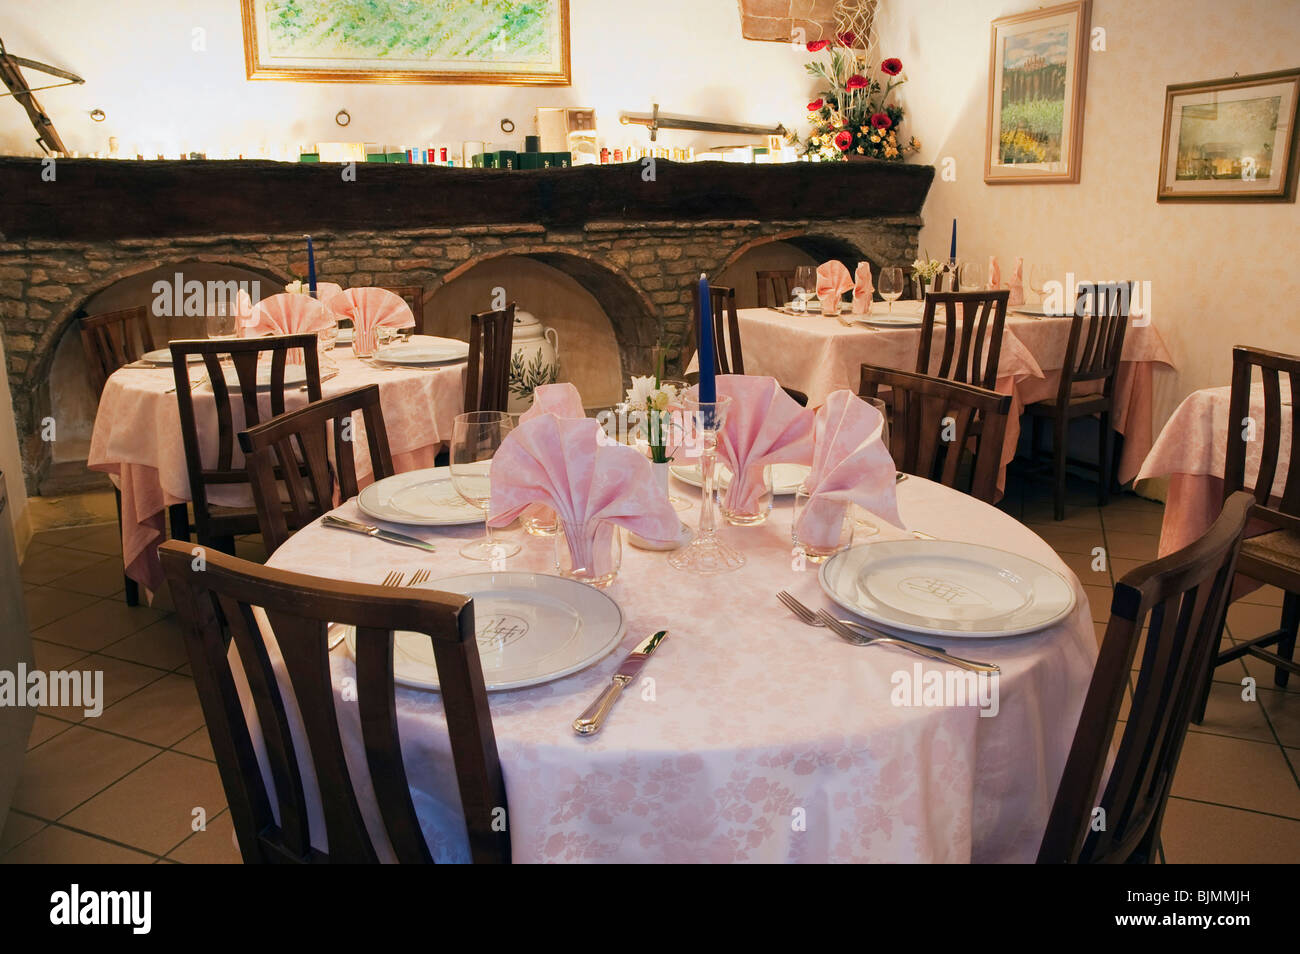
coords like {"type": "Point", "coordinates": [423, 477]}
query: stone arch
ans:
{"type": "Point", "coordinates": [821, 246]}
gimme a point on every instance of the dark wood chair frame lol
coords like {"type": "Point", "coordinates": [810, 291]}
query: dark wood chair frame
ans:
{"type": "Point", "coordinates": [1276, 511]}
{"type": "Point", "coordinates": [1182, 600]}
{"type": "Point", "coordinates": [487, 375]}
{"type": "Point", "coordinates": [413, 295]}
{"type": "Point", "coordinates": [775, 285]}
{"type": "Point", "coordinates": [728, 355]}
{"type": "Point", "coordinates": [927, 409]}
{"type": "Point", "coordinates": [217, 527]}
{"type": "Point", "coordinates": [300, 610]}
{"type": "Point", "coordinates": [1093, 353]}
{"type": "Point", "coordinates": [971, 356]}
{"type": "Point", "coordinates": [275, 449]}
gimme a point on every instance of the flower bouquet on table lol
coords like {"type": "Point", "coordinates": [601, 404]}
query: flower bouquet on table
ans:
{"type": "Point", "coordinates": [924, 272]}
{"type": "Point", "coordinates": [854, 115]}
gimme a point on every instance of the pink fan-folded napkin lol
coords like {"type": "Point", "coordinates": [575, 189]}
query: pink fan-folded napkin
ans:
{"type": "Point", "coordinates": [286, 315]}
{"type": "Point", "coordinates": [369, 309]}
{"type": "Point", "coordinates": [764, 426]}
{"type": "Point", "coordinates": [833, 280]}
{"type": "Point", "coordinates": [1017, 284]}
{"type": "Point", "coordinates": [863, 289]}
{"type": "Point", "coordinates": [850, 464]}
{"type": "Point", "coordinates": [562, 464]}
{"type": "Point", "coordinates": [995, 273]}
{"type": "Point", "coordinates": [562, 400]}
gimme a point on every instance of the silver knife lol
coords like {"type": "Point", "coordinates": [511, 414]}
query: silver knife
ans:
{"type": "Point", "coordinates": [593, 717]}
{"type": "Point", "coordinates": [329, 520]}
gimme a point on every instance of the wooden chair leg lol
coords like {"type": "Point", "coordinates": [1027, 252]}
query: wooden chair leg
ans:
{"type": "Point", "coordinates": [1060, 444]}
{"type": "Point", "coordinates": [1106, 451]}
{"type": "Point", "coordinates": [131, 589]}
{"type": "Point", "coordinates": [1286, 645]}
{"type": "Point", "coordinates": [178, 516]}
{"type": "Point", "coordinates": [1035, 440]}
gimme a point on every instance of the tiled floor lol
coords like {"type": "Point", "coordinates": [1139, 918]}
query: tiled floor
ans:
{"type": "Point", "coordinates": [138, 784]}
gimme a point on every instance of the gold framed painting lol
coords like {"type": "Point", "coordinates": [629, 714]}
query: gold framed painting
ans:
{"type": "Point", "coordinates": [507, 42]}
{"type": "Point", "coordinates": [1038, 68]}
{"type": "Point", "coordinates": [1231, 140]}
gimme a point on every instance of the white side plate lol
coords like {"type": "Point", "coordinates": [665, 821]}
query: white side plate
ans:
{"type": "Point", "coordinates": [786, 478]}
{"type": "Point", "coordinates": [418, 498]}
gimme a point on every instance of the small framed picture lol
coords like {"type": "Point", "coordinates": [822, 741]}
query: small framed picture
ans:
{"type": "Point", "coordinates": [1038, 69]}
{"type": "Point", "coordinates": [1231, 139]}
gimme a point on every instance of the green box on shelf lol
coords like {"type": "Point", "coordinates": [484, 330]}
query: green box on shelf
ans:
{"type": "Point", "coordinates": [507, 159]}
{"type": "Point", "coordinates": [309, 157]}
{"type": "Point", "coordinates": [397, 157]}
{"type": "Point", "coordinates": [476, 160]}
{"type": "Point", "coordinates": [556, 160]}
{"type": "Point", "coordinates": [530, 160]}
{"type": "Point", "coordinates": [376, 157]}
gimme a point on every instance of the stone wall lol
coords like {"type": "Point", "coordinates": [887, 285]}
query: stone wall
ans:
{"type": "Point", "coordinates": [641, 273]}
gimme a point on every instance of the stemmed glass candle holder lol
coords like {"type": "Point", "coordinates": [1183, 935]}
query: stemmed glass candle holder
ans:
{"type": "Point", "coordinates": [475, 438]}
{"type": "Point", "coordinates": [705, 553]}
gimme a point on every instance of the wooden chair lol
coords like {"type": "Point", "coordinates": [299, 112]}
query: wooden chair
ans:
{"type": "Point", "coordinates": [487, 378]}
{"type": "Point", "coordinates": [1092, 354]}
{"type": "Point", "coordinates": [1271, 557]}
{"type": "Point", "coordinates": [1181, 599]}
{"type": "Point", "coordinates": [113, 339]}
{"type": "Point", "coordinates": [109, 341]}
{"type": "Point", "coordinates": [933, 425]}
{"type": "Point", "coordinates": [971, 356]}
{"type": "Point", "coordinates": [299, 610]}
{"type": "Point", "coordinates": [774, 288]}
{"type": "Point", "coordinates": [413, 295]}
{"type": "Point", "coordinates": [274, 450]}
{"type": "Point", "coordinates": [728, 355]}
{"type": "Point", "coordinates": [217, 526]}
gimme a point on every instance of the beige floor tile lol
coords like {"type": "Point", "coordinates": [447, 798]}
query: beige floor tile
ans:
{"type": "Point", "coordinates": [58, 846]}
{"type": "Point", "coordinates": [215, 845]}
{"type": "Point", "coordinates": [71, 535]}
{"type": "Point", "coordinates": [121, 678]}
{"type": "Point", "coordinates": [47, 656]}
{"type": "Point", "coordinates": [98, 625]}
{"type": "Point", "coordinates": [103, 539]}
{"type": "Point", "coordinates": [1120, 567]}
{"type": "Point", "coordinates": [1227, 714]}
{"type": "Point", "coordinates": [45, 605]}
{"type": "Point", "coordinates": [1134, 502]}
{"type": "Point", "coordinates": [1132, 521]}
{"type": "Point", "coordinates": [198, 744]}
{"type": "Point", "coordinates": [1064, 539]}
{"type": "Point", "coordinates": [1248, 620]}
{"type": "Point", "coordinates": [1099, 598]}
{"type": "Point", "coordinates": [160, 644]}
{"type": "Point", "coordinates": [18, 828]}
{"type": "Point", "coordinates": [1283, 710]}
{"type": "Point", "coordinates": [53, 562]}
{"type": "Point", "coordinates": [44, 729]}
{"type": "Point", "coordinates": [152, 808]}
{"type": "Point", "coordinates": [162, 713]}
{"type": "Point", "coordinates": [1263, 673]}
{"type": "Point", "coordinates": [1235, 772]}
{"type": "Point", "coordinates": [74, 510]}
{"type": "Point", "coordinates": [1122, 545]}
{"type": "Point", "coordinates": [71, 767]}
{"type": "Point", "coordinates": [1196, 833]}
{"type": "Point", "coordinates": [1268, 595]}
{"type": "Point", "coordinates": [103, 579]}
{"type": "Point", "coordinates": [1082, 565]}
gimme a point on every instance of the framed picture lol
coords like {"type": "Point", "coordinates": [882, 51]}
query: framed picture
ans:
{"type": "Point", "coordinates": [509, 42]}
{"type": "Point", "coordinates": [1038, 68]}
{"type": "Point", "coordinates": [1231, 140]}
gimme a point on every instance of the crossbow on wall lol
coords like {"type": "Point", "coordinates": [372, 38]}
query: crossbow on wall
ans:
{"type": "Point", "coordinates": [47, 137]}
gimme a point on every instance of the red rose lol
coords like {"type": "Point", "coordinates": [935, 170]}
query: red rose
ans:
{"type": "Point", "coordinates": [892, 66]}
{"type": "Point", "coordinates": [815, 105]}
{"type": "Point", "coordinates": [847, 38]}
{"type": "Point", "coordinates": [856, 82]}
{"type": "Point", "coordinates": [844, 139]}
{"type": "Point", "coordinates": [816, 46]}
{"type": "Point", "coordinates": [881, 120]}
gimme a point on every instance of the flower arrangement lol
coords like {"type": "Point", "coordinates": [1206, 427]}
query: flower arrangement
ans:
{"type": "Point", "coordinates": [854, 116]}
{"type": "Point", "coordinates": [925, 269]}
{"type": "Point", "coordinates": [650, 396]}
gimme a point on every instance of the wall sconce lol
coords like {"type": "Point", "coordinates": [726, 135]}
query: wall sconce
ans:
{"type": "Point", "coordinates": [98, 115]}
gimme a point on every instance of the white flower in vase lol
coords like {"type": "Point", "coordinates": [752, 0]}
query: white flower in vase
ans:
{"type": "Point", "coordinates": [293, 288]}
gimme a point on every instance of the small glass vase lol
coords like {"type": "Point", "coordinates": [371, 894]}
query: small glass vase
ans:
{"type": "Point", "coordinates": [590, 554]}
{"type": "Point", "coordinates": [831, 306]}
{"type": "Point", "coordinates": [751, 512]}
{"type": "Point", "coordinates": [827, 531]}
{"type": "Point", "coordinates": [539, 521]}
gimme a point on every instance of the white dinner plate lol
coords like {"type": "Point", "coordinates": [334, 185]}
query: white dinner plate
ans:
{"type": "Point", "coordinates": [345, 336]}
{"type": "Point", "coordinates": [887, 321]}
{"type": "Point", "coordinates": [419, 498]}
{"type": "Point", "coordinates": [786, 478]}
{"type": "Point", "coordinates": [1033, 312]}
{"type": "Point", "coordinates": [423, 349]}
{"type": "Point", "coordinates": [945, 588]}
{"type": "Point", "coordinates": [295, 375]}
{"type": "Point", "coordinates": [531, 629]}
{"type": "Point", "coordinates": [163, 358]}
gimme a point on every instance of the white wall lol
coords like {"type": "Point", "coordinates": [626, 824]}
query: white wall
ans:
{"type": "Point", "coordinates": [1221, 274]}
{"type": "Point", "coordinates": [136, 58]}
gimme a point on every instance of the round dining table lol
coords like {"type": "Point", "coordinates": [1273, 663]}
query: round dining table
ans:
{"type": "Point", "coordinates": [748, 736]}
{"type": "Point", "coordinates": [137, 436]}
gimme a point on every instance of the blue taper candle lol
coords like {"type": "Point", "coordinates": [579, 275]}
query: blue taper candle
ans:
{"type": "Point", "coordinates": [708, 387]}
{"type": "Point", "coordinates": [311, 268]}
{"type": "Point", "coordinates": [952, 250]}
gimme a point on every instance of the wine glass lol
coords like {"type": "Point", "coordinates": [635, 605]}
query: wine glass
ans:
{"type": "Point", "coordinates": [805, 285]}
{"type": "Point", "coordinates": [220, 321]}
{"type": "Point", "coordinates": [475, 438]}
{"type": "Point", "coordinates": [891, 285]}
{"type": "Point", "coordinates": [971, 277]}
{"type": "Point", "coordinates": [1039, 276]}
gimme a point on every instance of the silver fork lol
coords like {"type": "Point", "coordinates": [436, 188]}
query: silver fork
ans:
{"type": "Point", "coordinates": [868, 637]}
{"type": "Point", "coordinates": [393, 579]}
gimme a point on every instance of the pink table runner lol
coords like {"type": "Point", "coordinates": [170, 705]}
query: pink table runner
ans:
{"type": "Point", "coordinates": [766, 740]}
{"type": "Point", "coordinates": [137, 439]}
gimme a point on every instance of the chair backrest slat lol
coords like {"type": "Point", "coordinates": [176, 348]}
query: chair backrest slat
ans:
{"type": "Point", "coordinates": [728, 358]}
{"type": "Point", "coordinates": [487, 375]}
{"type": "Point", "coordinates": [1182, 600]}
{"type": "Point", "coordinates": [299, 440]}
{"type": "Point", "coordinates": [1095, 345]}
{"type": "Point", "coordinates": [972, 340]}
{"type": "Point", "coordinates": [413, 295]}
{"type": "Point", "coordinates": [1277, 505]}
{"type": "Point", "coordinates": [774, 288]}
{"type": "Point", "coordinates": [113, 339]}
{"type": "Point", "coordinates": [935, 423]}
{"type": "Point", "coordinates": [298, 612]}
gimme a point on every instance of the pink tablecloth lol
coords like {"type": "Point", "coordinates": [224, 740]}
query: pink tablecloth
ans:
{"type": "Point", "coordinates": [1192, 452]}
{"type": "Point", "coordinates": [819, 355]}
{"type": "Point", "coordinates": [766, 740]}
{"type": "Point", "coordinates": [137, 439]}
